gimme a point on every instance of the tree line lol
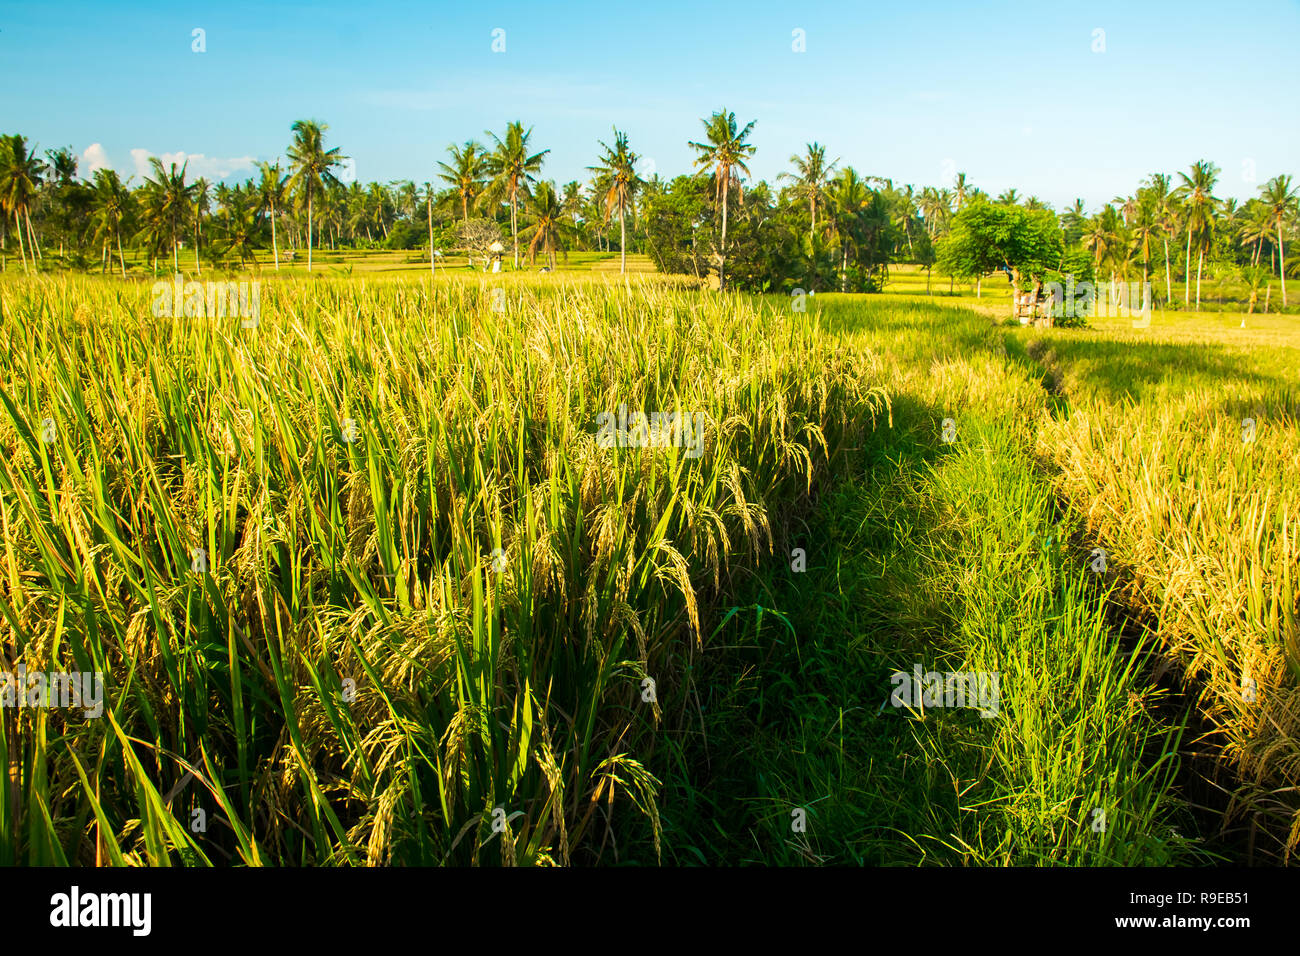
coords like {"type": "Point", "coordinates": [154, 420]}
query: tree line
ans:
{"type": "Point", "coordinates": [822, 226]}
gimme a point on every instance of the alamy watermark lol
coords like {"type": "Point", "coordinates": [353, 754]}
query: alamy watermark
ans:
{"type": "Point", "coordinates": [213, 300]}
{"type": "Point", "coordinates": [1111, 300]}
{"type": "Point", "coordinates": [56, 689]}
{"type": "Point", "coordinates": [979, 689]}
{"type": "Point", "coordinates": [656, 430]}
{"type": "Point", "coordinates": [127, 910]}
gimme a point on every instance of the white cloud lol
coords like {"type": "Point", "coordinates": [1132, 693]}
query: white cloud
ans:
{"type": "Point", "coordinates": [208, 167]}
{"type": "Point", "coordinates": [95, 157]}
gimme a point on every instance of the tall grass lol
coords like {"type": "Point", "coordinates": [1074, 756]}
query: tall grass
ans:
{"type": "Point", "coordinates": [425, 645]}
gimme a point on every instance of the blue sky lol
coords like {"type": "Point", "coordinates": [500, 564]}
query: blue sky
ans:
{"type": "Point", "coordinates": [1012, 94]}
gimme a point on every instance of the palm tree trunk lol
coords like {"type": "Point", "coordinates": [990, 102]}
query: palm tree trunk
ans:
{"type": "Point", "coordinates": [120, 260]}
{"type": "Point", "coordinates": [31, 236]}
{"type": "Point", "coordinates": [198, 267]}
{"type": "Point", "coordinates": [275, 243]}
{"type": "Point", "coordinates": [309, 229]}
{"type": "Point", "coordinates": [1187, 270]}
{"type": "Point", "coordinates": [19, 228]}
{"type": "Point", "coordinates": [1281, 259]}
{"type": "Point", "coordinates": [1168, 294]}
{"type": "Point", "coordinates": [514, 226]}
{"type": "Point", "coordinates": [622, 245]}
{"type": "Point", "coordinates": [1200, 259]}
{"type": "Point", "coordinates": [722, 258]}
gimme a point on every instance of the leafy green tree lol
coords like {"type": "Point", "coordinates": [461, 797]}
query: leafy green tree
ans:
{"type": "Point", "coordinates": [987, 237]}
{"type": "Point", "coordinates": [675, 215]}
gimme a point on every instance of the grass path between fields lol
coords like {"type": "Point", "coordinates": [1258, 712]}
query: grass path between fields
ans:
{"type": "Point", "coordinates": [953, 557]}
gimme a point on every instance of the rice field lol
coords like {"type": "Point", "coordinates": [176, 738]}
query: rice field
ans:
{"type": "Point", "coordinates": [370, 582]}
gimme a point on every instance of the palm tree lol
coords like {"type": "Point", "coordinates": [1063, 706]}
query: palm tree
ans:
{"type": "Point", "coordinates": [811, 175]}
{"type": "Point", "coordinates": [849, 197]}
{"type": "Point", "coordinates": [1010, 197]}
{"type": "Point", "coordinates": [1281, 201]}
{"type": "Point", "coordinates": [1145, 228]}
{"type": "Point", "coordinates": [549, 222]}
{"type": "Point", "coordinates": [271, 192]}
{"type": "Point", "coordinates": [170, 201]}
{"type": "Point", "coordinates": [379, 206]}
{"type": "Point", "coordinates": [202, 199]}
{"type": "Point", "coordinates": [428, 204]}
{"type": "Point", "coordinates": [1197, 191]}
{"type": "Point", "coordinates": [512, 170]}
{"type": "Point", "coordinates": [239, 217]}
{"type": "Point", "coordinates": [1097, 239]}
{"type": "Point", "coordinates": [1256, 227]}
{"type": "Point", "coordinates": [907, 205]}
{"type": "Point", "coordinates": [110, 203]}
{"type": "Point", "coordinates": [724, 151]}
{"type": "Point", "coordinates": [20, 179]}
{"type": "Point", "coordinates": [618, 177]}
{"type": "Point", "coordinates": [934, 209]}
{"type": "Point", "coordinates": [1163, 204]}
{"type": "Point", "coordinates": [465, 174]}
{"type": "Point", "coordinates": [312, 166]}
{"type": "Point", "coordinates": [960, 187]}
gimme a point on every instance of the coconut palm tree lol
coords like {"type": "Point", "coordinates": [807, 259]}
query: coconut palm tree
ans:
{"type": "Point", "coordinates": [170, 201]}
{"type": "Point", "coordinates": [849, 198]}
{"type": "Point", "coordinates": [1156, 191]}
{"type": "Point", "coordinates": [512, 169]}
{"type": "Point", "coordinates": [110, 203]}
{"type": "Point", "coordinates": [238, 216]}
{"type": "Point", "coordinates": [1256, 227]}
{"type": "Point", "coordinates": [20, 180]}
{"type": "Point", "coordinates": [1145, 229]}
{"type": "Point", "coordinates": [202, 199]}
{"type": "Point", "coordinates": [271, 195]}
{"type": "Point", "coordinates": [811, 176]}
{"type": "Point", "coordinates": [379, 207]}
{"type": "Point", "coordinates": [313, 167]}
{"type": "Point", "coordinates": [960, 188]}
{"type": "Point", "coordinates": [1197, 192]}
{"type": "Point", "coordinates": [549, 222]}
{"type": "Point", "coordinates": [1281, 201]}
{"type": "Point", "coordinates": [620, 183]}
{"type": "Point", "coordinates": [1009, 197]}
{"type": "Point", "coordinates": [465, 174]}
{"type": "Point", "coordinates": [907, 208]}
{"type": "Point", "coordinates": [934, 210]}
{"type": "Point", "coordinates": [1097, 239]}
{"type": "Point", "coordinates": [724, 151]}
